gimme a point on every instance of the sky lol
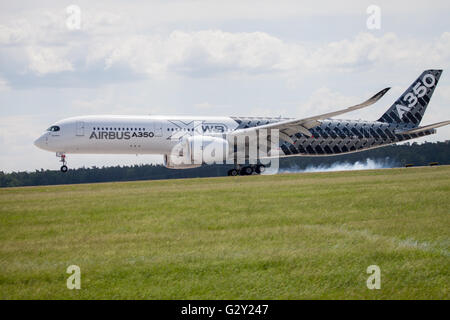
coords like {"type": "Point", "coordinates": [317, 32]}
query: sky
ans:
{"type": "Point", "coordinates": [240, 58]}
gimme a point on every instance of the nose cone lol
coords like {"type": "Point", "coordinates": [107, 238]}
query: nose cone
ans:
{"type": "Point", "coordinates": [41, 142]}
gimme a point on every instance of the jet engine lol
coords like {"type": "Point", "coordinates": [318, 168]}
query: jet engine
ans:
{"type": "Point", "coordinates": [176, 162]}
{"type": "Point", "coordinates": [197, 150]}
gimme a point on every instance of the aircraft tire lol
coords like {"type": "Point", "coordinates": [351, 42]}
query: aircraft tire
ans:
{"type": "Point", "coordinates": [260, 169]}
{"type": "Point", "coordinates": [246, 171]}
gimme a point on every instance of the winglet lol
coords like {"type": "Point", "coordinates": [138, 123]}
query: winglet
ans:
{"type": "Point", "coordinates": [378, 96]}
{"type": "Point", "coordinates": [371, 100]}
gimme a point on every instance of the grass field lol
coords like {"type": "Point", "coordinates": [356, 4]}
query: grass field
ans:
{"type": "Point", "coordinates": [293, 236]}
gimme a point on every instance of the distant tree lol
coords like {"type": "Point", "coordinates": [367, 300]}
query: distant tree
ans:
{"type": "Point", "coordinates": [396, 155]}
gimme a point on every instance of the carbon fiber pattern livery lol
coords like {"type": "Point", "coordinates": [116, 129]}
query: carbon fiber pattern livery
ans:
{"type": "Point", "coordinates": [419, 92]}
{"type": "Point", "coordinates": [334, 137]}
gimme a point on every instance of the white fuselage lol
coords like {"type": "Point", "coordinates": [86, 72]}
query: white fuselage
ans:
{"type": "Point", "coordinates": [128, 134]}
{"type": "Point", "coordinates": [170, 135]}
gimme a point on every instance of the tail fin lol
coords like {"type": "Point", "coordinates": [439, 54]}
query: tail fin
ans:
{"type": "Point", "coordinates": [410, 107]}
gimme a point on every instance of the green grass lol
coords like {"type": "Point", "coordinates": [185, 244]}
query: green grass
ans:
{"type": "Point", "coordinates": [293, 236]}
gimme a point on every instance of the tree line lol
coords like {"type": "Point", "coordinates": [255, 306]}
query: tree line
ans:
{"type": "Point", "coordinates": [395, 155]}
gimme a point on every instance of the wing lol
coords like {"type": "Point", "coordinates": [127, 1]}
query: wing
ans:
{"type": "Point", "coordinates": [289, 127]}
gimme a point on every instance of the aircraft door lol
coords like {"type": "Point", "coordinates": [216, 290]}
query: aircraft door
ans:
{"type": "Point", "coordinates": [80, 128]}
{"type": "Point", "coordinates": [157, 128]}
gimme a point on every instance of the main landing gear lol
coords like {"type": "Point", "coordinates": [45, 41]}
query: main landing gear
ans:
{"type": "Point", "coordinates": [62, 156]}
{"type": "Point", "coordinates": [247, 170]}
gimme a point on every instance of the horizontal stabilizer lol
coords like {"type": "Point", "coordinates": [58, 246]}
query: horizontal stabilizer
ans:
{"type": "Point", "coordinates": [428, 127]}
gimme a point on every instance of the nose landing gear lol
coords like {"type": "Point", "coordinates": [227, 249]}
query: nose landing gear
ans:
{"type": "Point", "coordinates": [62, 156]}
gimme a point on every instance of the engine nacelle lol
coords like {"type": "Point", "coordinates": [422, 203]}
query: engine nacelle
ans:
{"type": "Point", "coordinates": [207, 149]}
{"type": "Point", "coordinates": [176, 162]}
{"type": "Point", "coordinates": [197, 150]}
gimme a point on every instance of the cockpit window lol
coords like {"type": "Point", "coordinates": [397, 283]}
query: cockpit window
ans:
{"type": "Point", "coordinates": [53, 128]}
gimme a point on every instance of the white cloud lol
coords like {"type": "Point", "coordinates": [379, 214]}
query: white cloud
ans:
{"type": "Point", "coordinates": [165, 12]}
{"type": "Point", "coordinates": [323, 100]}
{"type": "Point", "coordinates": [101, 105]}
{"type": "Point", "coordinates": [11, 35]}
{"type": "Point", "coordinates": [18, 133]}
{"type": "Point", "coordinates": [201, 53]}
{"type": "Point", "coordinates": [203, 106]}
{"type": "Point", "coordinates": [4, 86]}
{"type": "Point", "coordinates": [212, 52]}
{"type": "Point", "coordinates": [44, 60]}
{"type": "Point", "coordinates": [444, 92]}
{"type": "Point", "coordinates": [109, 40]}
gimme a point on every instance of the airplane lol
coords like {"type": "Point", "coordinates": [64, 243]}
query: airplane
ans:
{"type": "Point", "coordinates": [174, 136]}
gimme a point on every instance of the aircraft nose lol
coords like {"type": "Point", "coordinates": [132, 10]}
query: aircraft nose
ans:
{"type": "Point", "coordinates": [41, 142]}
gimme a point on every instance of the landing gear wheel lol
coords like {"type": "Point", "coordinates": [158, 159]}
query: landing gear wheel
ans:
{"type": "Point", "coordinates": [260, 168]}
{"type": "Point", "coordinates": [246, 171]}
{"type": "Point", "coordinates": [233, 172]}
{"type": "Point", "coordinates": [62, 156]}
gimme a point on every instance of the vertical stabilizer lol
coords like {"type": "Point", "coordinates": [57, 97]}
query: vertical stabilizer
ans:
{"type": "Point", "coordinates": [410, 107]}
